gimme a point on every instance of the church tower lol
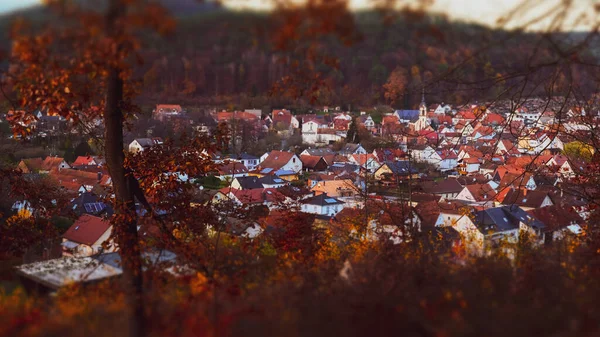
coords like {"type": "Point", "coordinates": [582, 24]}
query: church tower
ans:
{"type": "Point", "coordinates": [423, 106]}
{"type": "Point", "coordinates": [422, 123]}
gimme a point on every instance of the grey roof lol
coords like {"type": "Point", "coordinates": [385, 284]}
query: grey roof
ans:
{"type": "Point", "coordinates": [152, 257]}
{"type": "Point", "coordinates": [349, 148]}
{"type": "Point", "coordinates": [271, 179]}
{"type": "Point", "coordinates": [401, 167]}
{"type": "Point", "coordinates": [145, 142]}
{"type": "Point", "coordinates": [411, 115]}
{"type": "Point", "coordinates": [320, 152]}
{"type": "Point", "coordinates": [322, 200]}
{"type": "Point", "coordinates": [89, 203]}
{"type": "Point", "coordinates": [504, 218]}
{"type": "Point", "coordinates": [247, 156]}
{"type": "Point", "coordinates": [249, 182]}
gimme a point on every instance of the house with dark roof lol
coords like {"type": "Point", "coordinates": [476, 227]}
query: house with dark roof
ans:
{"type": "Point", "coordinates": [399, 169]}
{"type": "Point", "coordinates": [560, 222]}
{"type": "Point", "coordinates": [350, 149]}
{"type": "Point", "coordinates": [322, 204]}
{"type": "Point", "coordinates": [86, 237]}
{"type": "Point", "coordinates": [248, 160]}
{"type": "Point", "coordinates": [89, 203]}
{"type": "Point", "coordinates": [141, 144]}
{"type": "Point", "coordinates": [500, 227]}
{"type": "Point", "coordinates": [407, 116]}
{"type": "Point", "coordinates": [448, 188]}
{"type": "Point", "coordinates": [246, 183]}
{"type": "Point", "coordinates": [324, 151]}
{"type": "Point", "coordinates": [526, 199]}
{"type": "Point", "coordinates": [272, 181]}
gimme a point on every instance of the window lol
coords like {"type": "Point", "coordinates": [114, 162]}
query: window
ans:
{"type": "Point", "coordinates": [293, 160]}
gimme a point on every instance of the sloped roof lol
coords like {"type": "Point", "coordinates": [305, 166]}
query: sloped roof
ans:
{"type": "Point", "coordinates": [524, 198]}
{"type": "Point", "coordinates": [448, 185]}
{"type": "Point", "coordinates": [311, 161]}
{"type": "Point", "coordinates": [271, 179]}
{"type": "Point", "coordinates": [362, 159]}
{"type": "Point", "coordinates": [51, 163]}
{"type": "Point", "coordinates": [232, 168]}
{"type": "Point", "coordinates": [333, 187]}
{"type": "Point", "coordinates": [87, 229]}
{"type": "Point", "coordinates": [277, 159]}
{"type": "Point", "coordinates": [31, 164]}
{"type": "Point", "coordinates": [322, 200]}
{"type": "Point", "coordinates": [168, 107]}
{"type": "Point", "coordinates": [83, 160]}
{"type": "Point", "coordinates": [481, 192]}
{"type": "Point", "coordinates": [504, 218]}
{"type": "Point", "coordinates": [411, 115]}
{"type": "Point", "coordinates": [556, 217]}
{"type": "Point", "coordinates": [255, 195]}
{"type": "Point", "coordinates": [250, 182]}
{"type": "Point", "coordinates": [401, 167]}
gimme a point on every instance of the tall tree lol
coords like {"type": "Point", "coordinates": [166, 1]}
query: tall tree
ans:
{"type": "Point", "coordinates": [82, 69]}
{"type": "Point", "coordinates": [395, 85]}
{"type": "Point", "coordinates": [352, 135]}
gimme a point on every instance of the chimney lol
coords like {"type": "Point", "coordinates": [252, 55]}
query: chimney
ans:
{"type": "Point", "coordinates": [524, 192]}
{"type": "Point", "coordinates": [99, 176]}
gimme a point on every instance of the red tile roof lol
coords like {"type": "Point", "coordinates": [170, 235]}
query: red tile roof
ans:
{"type": "Point", "coordinates": [83, 160]}
{"type": "Point", "coordinates": [87, 229]}
{"type": "Point", "coordinates": [277, 159]}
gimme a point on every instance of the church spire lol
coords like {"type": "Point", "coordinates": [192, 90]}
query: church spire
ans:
{"type": "Point", "coordinates": [423, 95]}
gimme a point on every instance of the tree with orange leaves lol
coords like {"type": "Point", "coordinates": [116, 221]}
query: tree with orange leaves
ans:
{"type": "Point", "coordinates": [81, 69]}
{"type": "Point", "coordinates": [395, 85]}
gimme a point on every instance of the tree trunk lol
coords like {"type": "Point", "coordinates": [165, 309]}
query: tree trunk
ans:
{"type": "Point", "coordinates": [125, 225]}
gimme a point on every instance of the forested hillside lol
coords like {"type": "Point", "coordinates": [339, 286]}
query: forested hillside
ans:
{"type": "Point", "coordinates": [221, 56]}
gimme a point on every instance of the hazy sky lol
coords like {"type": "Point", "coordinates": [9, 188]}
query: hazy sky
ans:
{"type": "Point", "coordinates": [480, 11]}
{"type": "Point", "coordinates": [9, 5]}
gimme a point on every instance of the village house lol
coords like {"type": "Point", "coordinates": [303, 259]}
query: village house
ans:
{"type": "Point", "coordinates": [163, 112]}
{"type": "Point", "coordinates": [231, 170]}
{"type": "Point", "coordinates": [367, 161]}
{"type": "Point", "coordinates": [335, 188]}
{"type": "Point", "coordinates": [45, 166]}
{"type": "Point", "coordinates": [141, 144]}
{"type": "Point", "coordinates": [426, 153]}
{"type": "Point", "coordinates": [313, 163]}
{"type": "Point", "coordinates": [526, 199]}
{"type": "Point", "coordinates": [396, 170]}
{"type": "Point", "coordinates": [246, 183]}
{"type": "Point", "coordinates": [281, 160]}
{"type": "Point", "coordinates": [481, 194]}
{"type": "Point", "coordinates": [448, 188]}
{"type": "Point", "coordinates": [269, 197]}
{"type": "Point", "coordinates": [284, 121]}
{"type": "Point", "coordinates": [87, 236]}
{"type": "Point", "coordinates": [248, 160]}
{"type": "Point", "coordinates": [559, 222]}
{"type": "Point", "coordinates": [351, 149]}
{"type": "Point", "coordinates": [322, 204]}
{"type": "Point", "coordinates": [85, 161]}
{"type": "Point", "coordinates": [273, 181]}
